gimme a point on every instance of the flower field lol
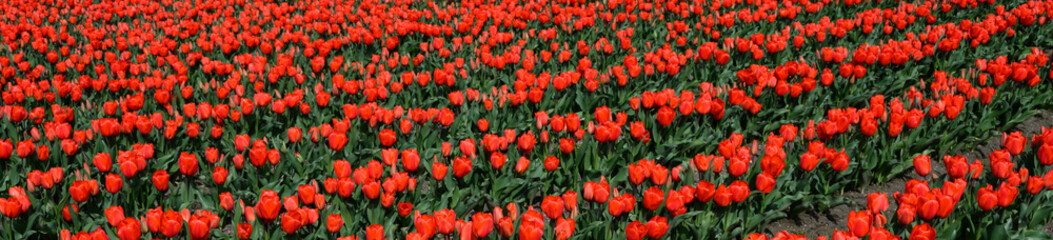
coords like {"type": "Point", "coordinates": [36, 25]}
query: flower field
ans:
{"type": "Point", "coordinates": [537, 119]}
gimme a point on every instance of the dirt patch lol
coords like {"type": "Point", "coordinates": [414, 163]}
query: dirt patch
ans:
{"type": "Point", "coordinates": [813, 224]}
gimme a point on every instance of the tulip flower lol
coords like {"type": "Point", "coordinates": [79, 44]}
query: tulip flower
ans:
{"type": "Point", "coordinates": [552, 206]}
{"type": "Point", "coordinates": [922, 165]}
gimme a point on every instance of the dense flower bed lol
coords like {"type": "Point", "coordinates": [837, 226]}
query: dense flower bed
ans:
{"type": "Point", "coordinates": [623, 119]}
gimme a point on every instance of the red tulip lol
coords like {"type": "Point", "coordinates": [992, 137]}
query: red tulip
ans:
{"type": "Point", "coordinates": [840, 162]}
{"type": "Point", "coordinates": [482, 224]}
{"type": "Point", "coordinates": [1001, 163]}
{"type": "Point", "coordinates": [405, 126]}
{"type": "Point", "coordinates": [928, 205]}
{"type": "Point", "coordinates": [387, 137]}
{"type": "Point", "coordinates": [342, 169]}
{"type": "Point", "coordinates": [6, 149]}
{"type": "Point", "coordinates": [859, 222]}
{"type": "Point", "coordinates": [705, 191]}
{"type": "Point", "coordinates": [219, 175]}
{"type": "Point", "coordinates": [153, 219]}
{"type": "Point", "coordinates": [602, 114]}
{"type": "Point", "coordinates": [199, 226]}
{"type": "Point", "coordinates": [425, 225]}
{"type": "Point", "coordinates": [1014, 142]}
{"type": "Point", "coordinates": [129, 229]}
{"type": "Point", "coordinates": [306, 193]}
{"type": "Point", "coordinates": [637, 173]}
{"type": "Point", "coordinates": [226, 201]}
{"type": "Point", "coordinates": [657, 227]}
{"type": "Point", "coordinates": [946, 205]}
{"type": "Point", "coordinates": [102, 162]}
{"type": "Point", "coordinates": [572, 121]}
{"type": "Point", "coordinates": [1035, 184]}
{"type": "Point", "coordinates": [438, 170]}
{"type": "Point", "coordinates": [922, 165]}
{"type": "Point", "coordinates": [522, 164]}
{"type": "Point", "coordinates": [552, 206]}
{"type": "Point", "coordinates": [160, 180]}
{"type": "Point", "coordinates": [294, 134]}
{"type": "Point", "coordinates": [171, 223]}
{"type": "Point", "coordinates": [570, 200]}
{"type": "Point", "coordinates": [375, 232]}
{"type": "Point", "coordinates": [462, 166]}
{"type": "Point", "coordinates": [187, 163]}
{"type": "Point", "coordinates": [268, 206]}
{"type": "Point", "coordinates": [530, 231]}
{"type": "Point", "coordinates": [525, 143]}
{"type": "Point", "coordinates": [809, 161]}
{"type": "Point", "coordinates": [1006, 194]}
{"type": "Point", "coordinates": [922, 232]}
{"type": "Point", "coordinates": [722, 196]}
{"type": "Point", "coordinates": [107, 127]}
{"type": "Point", "coordinates": [114, 215]}
{"type": "Point", "coordinates": [241, 142]}
{"type": "Point", "coordinates": [81, 190]}
{"type": "Point", "coordinates": [739, 190]}
{"type": "Point", "coordinates": [193, 130]}
{"type": "Point", "coordinates": [976, 168]}
{"type": "Point", "coordinates": [956, 166]}
{"type": "Point", "coordinates": [1045, 153]}
{"type": "Point", "coordinates": [292, 221]}
{"type": "Point", "coordinates": [635, 231]}
{"type": "Point", "coordinates": [986, 198]}
{"type": "Point", "coordinates": [597, 192]}
{"type": "Point", "coordinates": [17, 113]}
{"type": "Point", "coordinates": [67, 212]}
{"type": "Point", "coordinates": [466, 146]}
{"type": "Point", "coordinates": [566, 145]}
{"type": "Point", "coordinates": [788, 132]}
{"type": "Point", "coordinates": [258, 154]}
{"type": "Point", "coordinates": [765, 183]}
{"type": "Point", "coordinates": [665, 116]}
{"type": "Point", "coordinates": [905, 214]}
{"type": "Point", "coordinates": [675, 203]}
{"type": "Point", "coordinates": [337, 141]}
{"type": "Point", "coordinates": [244, 231]}
{"type": "Point", "coordinates": [43, 152]}
{"type": "Point", "coordinates": [564, 228]}
{"type": "Point", "coordinates": [114, 183]}
{"type": "Point", "coordinates": [653, 198]}
{"type": "Point", "coordinates": [877, 202]}
{"type": "Point", "coordinates": [617, 206]}
{"type": "Point", "coordinates": [374, 169]}
{"type": "Point", "coordinates": [371, 189]}
{"type": "Point", "coordinates": [24, 148]}
{"type": "Point", "coordinates": [497, 160]}
{"type": "Point", "coordinates": [444, 221]}
{"type": "Point", "coordinates": [868, 126]}
{"type": "Point", "coordinates": [410, 160]}
{"type": "Point", "coordinates": [404, 208]}
{"type": "Point", "coordinates": [505, 227]}
{"type": "Point", "coordinates": [659, 174]}
{"type": "Point", "coordinates": [738, 166]}
{"type": "Point", "coordinates": [551, 163]}
{"type": "Point", "coordinates": [211, 155]}
{"type": "Point", "coordinates": [483, 124]}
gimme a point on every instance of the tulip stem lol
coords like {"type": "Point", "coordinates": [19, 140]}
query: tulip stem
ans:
{"type": "Point", "coordinates": [266, 231]}
{"type": "Point", "coordinates": [10, 225]}
{"type": "Point", "coordinates": [186, 190]}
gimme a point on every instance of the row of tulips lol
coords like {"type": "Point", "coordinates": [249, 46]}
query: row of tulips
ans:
{"type": "Point", "coordinates": [131, 119]}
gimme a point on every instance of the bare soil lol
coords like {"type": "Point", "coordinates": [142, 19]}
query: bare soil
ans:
{"type": "Point", "coordinates": [813, 223]}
